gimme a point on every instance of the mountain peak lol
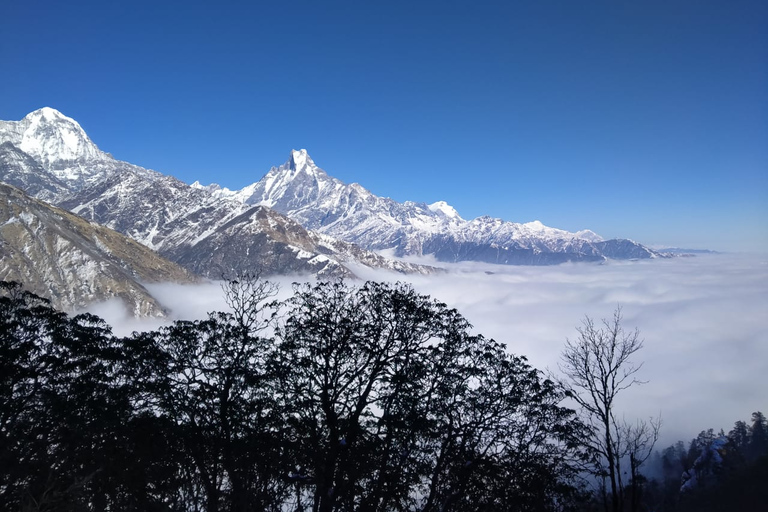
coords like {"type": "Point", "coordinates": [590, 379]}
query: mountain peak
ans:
{"type": "Point", "coordinates": [48, 114]}
{"type": "Point", "coordinates": [445, 209]}
{"type": "Point", "coordinates": [535, 225]}
{"type": "Point", "coordinates": [57, 142]}
{"type": "Point", "coordinates": [300, 159]}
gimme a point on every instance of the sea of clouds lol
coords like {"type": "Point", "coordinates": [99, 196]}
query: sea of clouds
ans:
{"type": "Point", "coordinates": [704, 322]}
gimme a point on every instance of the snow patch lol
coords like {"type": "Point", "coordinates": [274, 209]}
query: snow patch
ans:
{"type": "Point", "coordinates": [27, 217]}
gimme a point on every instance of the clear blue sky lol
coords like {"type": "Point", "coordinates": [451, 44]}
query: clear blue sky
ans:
{"type": "Point", "coordinates": [639, 119]}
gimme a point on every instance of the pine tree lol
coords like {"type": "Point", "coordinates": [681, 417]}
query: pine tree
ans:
{"type": "Point", "coordinates": [758, 436]}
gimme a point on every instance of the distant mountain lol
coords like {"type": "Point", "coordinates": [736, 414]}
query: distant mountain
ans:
{"type": "Point", "coordinates": [307, 194]}
{"type": "Point", "coordinates": [686, 252]}
{"type": "Point", "coordinates": [50, 155]}
{"type": "Point", "coordinates": [63, 257]}
{"type": "Point", "coordinates": [275, 244]}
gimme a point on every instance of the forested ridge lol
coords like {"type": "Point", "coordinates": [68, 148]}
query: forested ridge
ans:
{"type": "Point", "coordinates": [339, 398]}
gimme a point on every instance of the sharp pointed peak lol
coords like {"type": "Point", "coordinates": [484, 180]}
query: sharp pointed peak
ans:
{"type": "Point", "coordinates": [299, 158]}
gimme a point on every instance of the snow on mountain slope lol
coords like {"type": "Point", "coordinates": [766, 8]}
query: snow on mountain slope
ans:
{"type": "Point", "coordinates": [307, 194]}
{"type": "Point", "coordinates": [216, 236]}
{"type": "Point", "coordinates": [441, 207]}
{"type": "Point", "coordinates": [51, 137]}
{"type": "Point", "coordinates": [60, 146]}
{"type": "Point", "coordinates": [159, 211]}
{"type": "Point", "coordinates": [274, 244]}
{"type": "Point", "coordinates": [19, 169]}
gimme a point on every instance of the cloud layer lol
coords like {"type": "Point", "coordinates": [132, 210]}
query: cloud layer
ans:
{"type": "Point", "coordinates": [704, 321]}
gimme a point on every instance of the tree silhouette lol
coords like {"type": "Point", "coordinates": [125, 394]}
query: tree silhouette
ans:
{"type": "Point", "coordinates": [63, 407]}
{"type": "Point", "coordinates": [598, 367]}
{"type": "Point", "coordinates": [758, 436]}
{"type": "Point", "coordinates": [393, 405]}
{"type": "Point", "coordinates": [369, 398]}
{"type": "Point", "coordinates": [214, 388]}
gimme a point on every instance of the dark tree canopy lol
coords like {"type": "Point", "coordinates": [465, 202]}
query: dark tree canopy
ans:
{"type": "Point", "coordinates": [395, 406]}
{"type": "Point", "coordinates": [371, 398]}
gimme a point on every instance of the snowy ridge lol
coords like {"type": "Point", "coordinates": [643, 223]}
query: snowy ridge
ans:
{"type": "Point", "coordinates": [50, 136]}
{"type": "Point", "coordinates": [441, 207]}
{"type": "Point", "coordinates": [307, 194]}
{"type": "Point", "coordinates": [58, 143]}
{"type": "Point", "coordinates": [214, 235]}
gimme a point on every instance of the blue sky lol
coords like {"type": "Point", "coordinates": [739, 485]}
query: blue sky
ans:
{"type": "Point", "coordinates": [646, 120]}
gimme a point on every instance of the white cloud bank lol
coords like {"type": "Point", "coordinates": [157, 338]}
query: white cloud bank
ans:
{"type": "Point", "coordinates": [704, 321]}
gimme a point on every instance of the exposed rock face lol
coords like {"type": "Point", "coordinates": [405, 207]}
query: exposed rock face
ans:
{"type": "Point", "coordinates": [274, 244]}
{"type": "Point", "coordinates": [73, 262]}
{"type": "Point", "coordinates": [21, 170]}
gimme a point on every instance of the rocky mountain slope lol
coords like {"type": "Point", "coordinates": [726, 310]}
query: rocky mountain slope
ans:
{"type": "Point", "coordinates": [73, 262]}
{"type": "Point", "coordinates": [19, 169]}
{"type": "Point", "coordinates": [213, 236]}
{"type": "Point", "coordinates": [307, 194]}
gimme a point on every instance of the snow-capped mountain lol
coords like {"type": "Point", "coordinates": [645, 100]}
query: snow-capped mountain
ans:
{"type": "Point", "coordinates": [275, 244]}
{"type": "Point", "coordinates": [307, 194]}
{"type": "Point", "coordinates": [59, 144]}
{"type": "Point", "coordinates": [50, 155]}
{"type": "Point", "coordinates": [63, 257]}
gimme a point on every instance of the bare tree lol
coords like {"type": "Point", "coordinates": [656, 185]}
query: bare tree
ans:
{"type": "Point", "coordinates": [598, 367]}
{"type": "Point", "coordinates": [638, 442]}
{"type": "Point", "coordinates": [246, 294]}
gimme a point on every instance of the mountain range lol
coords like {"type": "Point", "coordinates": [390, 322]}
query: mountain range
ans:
{"type": "Point", "coordinates": [302, 191]}
{"type": "Point", "coordinates": [297, 219]}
